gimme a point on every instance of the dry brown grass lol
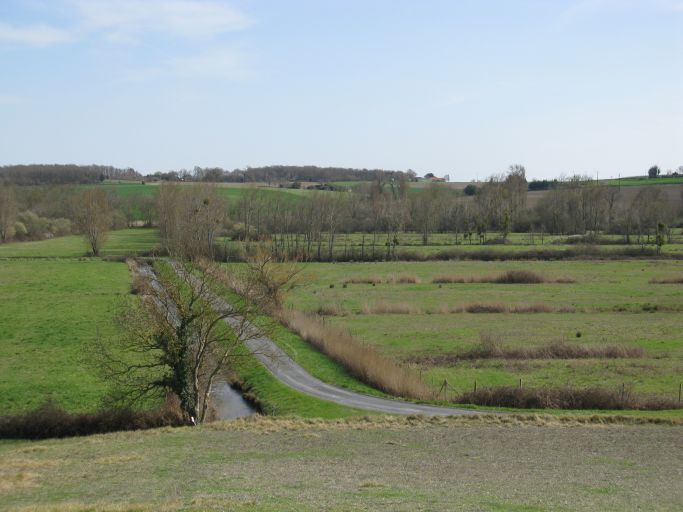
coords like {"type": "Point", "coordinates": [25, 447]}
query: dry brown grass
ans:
{"type": "Point", "coordinates": [387, 422]}
{"type": "Point", "coordinates": [449, 279]}
{"type": "Point", "coordinates": [363, 280]}
{"type": "Point", "coordinates": [105, 507]}
{"type": "Point", "coordinates": [361, 360]}
{"type": "Point", "coordinates": [667, 280]}
{"type": "Point", "coordinates": [486, 308]}
{"type": "Point", "coordinates": [566, 398]}
{"type": "Point", "coordinates": [385, 308]}
{"type": "Point", "coordinates": [390, 279]}
{"type": "Point", "coordinates": [509, 277]}
{"type": "Point", "coordinates": [405, 308]}
{"type": "Point", "coordinates": [490, 348]}
{"type": "Point", "coordinates": [403, 279]}
{"type": "Point", "coordinates": [331, 310]}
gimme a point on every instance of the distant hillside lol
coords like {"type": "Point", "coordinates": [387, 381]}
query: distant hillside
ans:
{"type": "Point", "coordinates": [53, 174]}
{"type": "Point", "coordinates": [290, 173]}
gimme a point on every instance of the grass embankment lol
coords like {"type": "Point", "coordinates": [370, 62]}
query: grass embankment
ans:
{"type": "Point", "coordinates": [120, 242]}
{"type": "Point", "coordinates": [52, 311]}
{"type": "Point", "coordinates": [399, 464]}
{"type": "Point", "coordinates": [609, 304]}
{"type": "Point", "coordinates": [272, 396]}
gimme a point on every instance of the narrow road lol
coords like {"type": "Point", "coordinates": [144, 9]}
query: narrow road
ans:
{"type": "Point", "coordinates": [287, 371]}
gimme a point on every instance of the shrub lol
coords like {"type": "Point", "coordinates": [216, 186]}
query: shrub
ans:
{"type": "Point", "coordinates": [331, 310]}
{"type": "Point", "coordinates": [565, 398]}
{"type": "Point", "coordinates": [403, 279]}
{"type": "Point", "coordinates": [51, 421]}
{"type": "Point", "coordinates": [667, 280]}
{"type": "Point", "coordinates": [363, 280]}
{"type": "Point", "coordinates": [491, 348]}
{"type": "Point", "coordinates": [519, 277]}
{"type": "Point", "coordinates": [486, 308]}
{"type": "Point", "coordinates": [383, 308]}
{"type": "Point", "coordinates": [448, 279]}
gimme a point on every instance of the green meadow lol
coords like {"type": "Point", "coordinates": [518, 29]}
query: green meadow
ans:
{"type": "Point", "coordinates": [52, 312]}
{"type": "Point", "coordinates": [606, 303]}
{"type": "Point", "coordinates": [119, 243]}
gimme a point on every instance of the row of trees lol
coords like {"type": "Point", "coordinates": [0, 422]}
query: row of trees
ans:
{"type": "Point", "coordinates": [309, 226]}
{"type": "Point", "coordinates": [192, 218]}
{"type": "Point", "coordinates": [42, 174]}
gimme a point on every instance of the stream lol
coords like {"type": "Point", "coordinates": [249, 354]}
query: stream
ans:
{"type": "Point", "coordinates": [229, 403]}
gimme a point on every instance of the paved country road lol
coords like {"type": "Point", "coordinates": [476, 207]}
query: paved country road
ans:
{"type": "Point", "coordinates": [287, 371]}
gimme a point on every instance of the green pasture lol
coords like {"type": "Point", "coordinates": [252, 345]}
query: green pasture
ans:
{"type": "Point", "coordinates": [52, 312]}
{"type": "Point", "coordinates": [640, 181]}
{"type": "Point", "coordinates": [121, 242]}
{"type": "Point", "coordinates": [613, 303]}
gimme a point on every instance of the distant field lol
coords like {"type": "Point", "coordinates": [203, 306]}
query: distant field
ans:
{"type": "Point", "coordinates": [385, 464]}
{"type": "Point", "coordinates": [52, 311]}
{"type": "Point", "coordinates": [644, 181]}
{"type": "Point", "coordinates": [227, 190]}
{"type": "Point", "coordinates": [613, 302]}
{"type": "Point", "coordinates": [121, 242]}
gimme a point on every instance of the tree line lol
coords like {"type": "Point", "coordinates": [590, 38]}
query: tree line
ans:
{"type": "Point", "coordinates": [42, 174]}
{"type": "Point", "coordinates": [315, 226]}
{"type": "Point", "coordinates": [378, 214]}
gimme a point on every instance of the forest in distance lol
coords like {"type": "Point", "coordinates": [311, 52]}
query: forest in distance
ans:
{"type": "Point", "coordinates": [377, 213]}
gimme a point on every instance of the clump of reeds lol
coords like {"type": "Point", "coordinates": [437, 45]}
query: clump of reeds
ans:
{"type": "Point", "coordinates": [667, 280]}
{"type": "Point", "coordinates": [363, 280]}
{"type": "Point", "coordinates": [331, 310]}
{"type": "Point", "coordinates": [509, 277]}
{"type": "Point", "coordinates": [364, 362]}
{"type": "Point", "coordinates": [566, 397]}
{"type": "Point", "coordinates": [385, 308]}
{"type": "Point", "coordinates": [491, 348]}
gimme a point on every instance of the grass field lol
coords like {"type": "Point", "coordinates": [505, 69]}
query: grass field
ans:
{"type": "Point", "coordinates": [121, 242]}
{"type": "Point", "coordinates": [610, 303]}
{"type": "Point", "coordinates": [640, 181]}
{"type": "Point", "coordinates": [383, 464]}
{"type": "Point", "coordinates": [227, 190]}
{"type": "Point", "coordinates": [52, 311]}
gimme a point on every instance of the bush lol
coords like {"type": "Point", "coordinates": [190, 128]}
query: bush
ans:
{"type": "Point", "coordinates": [51, 421]}
{"type": "Point", "coordinates": [565, 398]}
{"type": "Point", "coordinates": [520, 277]}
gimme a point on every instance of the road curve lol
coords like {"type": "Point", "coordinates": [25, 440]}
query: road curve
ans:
{"type": "Point", "coordinates": [287, 371]}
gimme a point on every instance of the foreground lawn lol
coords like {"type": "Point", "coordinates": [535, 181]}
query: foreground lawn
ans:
{"type": "Point", "coordinates": [52, 311]}
{"type": "Point", "coordinates": [121, 242]}
{"type": "Point", "coordinates": [382, 464]}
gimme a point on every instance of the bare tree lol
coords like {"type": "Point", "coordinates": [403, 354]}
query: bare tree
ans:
{"type": "Point", "coordinates": [175, 339]}
{"type": "Point", "coordinates": [8, 212]}
{"type": "Point", "coordinates": [93, 217]}
{"type": "Point", "coordinates": [190, 219]}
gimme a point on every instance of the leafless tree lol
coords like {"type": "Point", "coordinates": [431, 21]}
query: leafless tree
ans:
{"type": "Point", "coordinates": [175, 339]}
{"type": "Point", "coordinates": [190, 219]}
{"type": "Point", "coordinates": [93, 218]}
{"type": "Point", "coordinates": [8, 211]}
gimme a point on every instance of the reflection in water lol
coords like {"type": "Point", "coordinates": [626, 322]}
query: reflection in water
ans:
{"type": "Point", "coordinates": [228, 403]}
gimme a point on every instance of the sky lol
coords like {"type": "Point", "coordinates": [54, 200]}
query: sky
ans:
{"type": "Point", "coordinates": [463, 88]}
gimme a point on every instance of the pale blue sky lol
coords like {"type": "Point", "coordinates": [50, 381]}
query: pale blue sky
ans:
{"type": "Point", "coordinates": [454, 87]}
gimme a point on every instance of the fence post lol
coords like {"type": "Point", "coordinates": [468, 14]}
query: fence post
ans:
{"type": "Point", "coordinates": [475, 385]}
{"type": "Point", "coordinates": [520, 383]}
{"type": "Point", "coordinates": [680, 388]}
